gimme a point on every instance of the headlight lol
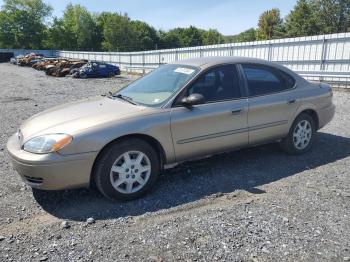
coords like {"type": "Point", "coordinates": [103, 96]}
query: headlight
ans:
{"type": "Point", "coordinates": [47, 143]}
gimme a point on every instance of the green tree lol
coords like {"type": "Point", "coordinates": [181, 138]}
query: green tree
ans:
{"type": "Point", "coordinates": [270, 25]}
{"type": "Point", "coordinates": [191, 36]}
{"type": "Point", "coordinates": [302, 20]}
{"type": "Point", "coordinates": [144, 36]}
{"type": "Point", "coordinates": [22, 23]}
{"type": "Point", "coordinates": [56, 35]}
{"type": "Point", "coordinates": [101, 20]}
{"type": "Point", "coordinates": [81, 31]}
{"type": "Point", "coordinates": [168, 39]}
{"type": "Point", "coordinates": [333, 15]}
{"type": "Point", "coordinates": [212, 37]}
{"type": "Point", "coordinates": [7, 31]}
{"type": "Point", "coordinates": [246, 36]}
{"type": "Point", "coordinates": [182, 37]}
{"type": "Point", "coordinates": [118, 33]}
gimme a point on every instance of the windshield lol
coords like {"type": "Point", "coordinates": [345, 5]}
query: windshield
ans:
{"type": "Point", "coordinates": [156, 87]}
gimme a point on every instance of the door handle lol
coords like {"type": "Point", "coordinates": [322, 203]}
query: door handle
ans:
{"type": "Point", "coordinates": [291, 101]}
{"type": "Point", "coordinates": [236, 111]}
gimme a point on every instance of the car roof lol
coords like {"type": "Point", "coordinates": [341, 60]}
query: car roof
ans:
{"type": "Point", "coordinates": [101, 63]}
{"type": "Point", "coordinates": [204, 62]}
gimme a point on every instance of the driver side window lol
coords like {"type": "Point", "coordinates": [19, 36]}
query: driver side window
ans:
{"type": "Point", "coordinates": [217, 84]}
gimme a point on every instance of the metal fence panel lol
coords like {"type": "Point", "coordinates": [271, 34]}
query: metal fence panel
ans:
{"type": "Point", "coordinates": [313, 55]}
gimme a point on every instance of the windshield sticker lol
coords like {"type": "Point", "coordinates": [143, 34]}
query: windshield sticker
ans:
{"type": "Point", "coordinates": [183, 70]}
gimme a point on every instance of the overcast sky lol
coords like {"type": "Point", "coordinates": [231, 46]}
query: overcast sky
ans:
{"type": "Point", "coordinates": [228, 16]}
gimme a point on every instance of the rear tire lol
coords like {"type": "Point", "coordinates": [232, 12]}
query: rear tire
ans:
{"type": "Point", "coordinates": [301, 135]}
{"type": "Point", "coordinates": [83, 76]}
{"type": "Point", "coordinates": [126, 170]}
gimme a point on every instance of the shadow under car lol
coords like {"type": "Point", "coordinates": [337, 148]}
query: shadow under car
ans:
{"type": "Point", "coordinates": [244, 169]}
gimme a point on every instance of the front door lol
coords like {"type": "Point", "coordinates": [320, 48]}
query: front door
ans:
{"type": "Point", "coordinates": [217, 125]}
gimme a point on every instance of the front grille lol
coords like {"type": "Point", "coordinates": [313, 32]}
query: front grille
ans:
{"type": "Point", "coordinates": [34, 180]}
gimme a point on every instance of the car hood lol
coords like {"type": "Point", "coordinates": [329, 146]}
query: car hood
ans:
{"type": "Point", "coordinates": [76, 116]}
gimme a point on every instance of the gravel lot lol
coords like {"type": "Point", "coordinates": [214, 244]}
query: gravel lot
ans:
{"type": "Point", "coordinates": [255, 204]}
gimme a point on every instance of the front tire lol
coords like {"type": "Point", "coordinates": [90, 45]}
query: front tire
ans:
{"type": "Point", "coordinates": [301, 135]}
{"type": "Point", "coordinates": [126, 170]}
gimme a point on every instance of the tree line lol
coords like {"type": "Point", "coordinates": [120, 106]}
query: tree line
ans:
{"type": "Point", "coordinates": [29, 24]}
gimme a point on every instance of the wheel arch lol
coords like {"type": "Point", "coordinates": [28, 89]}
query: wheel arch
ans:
{"type": "Point", "coordinates": [147, 138]}
{"type": "Point", "coordinates": [313, 114]}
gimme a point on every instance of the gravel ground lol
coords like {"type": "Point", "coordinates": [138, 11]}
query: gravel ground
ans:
{"type": "Point", "coordinates": [255, 204]}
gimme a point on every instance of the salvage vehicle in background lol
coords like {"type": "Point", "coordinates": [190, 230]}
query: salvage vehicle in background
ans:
{"type": "Point", "coordinates": [15, 60]}
{"type": "Point", "coordinates": [34, 61]}
{"type": "Point", "coordinates": [26, 60]}
{"type": "Point", "coordinates": [178, 112]}
{"type": "Point", "coordinates": [51, 68]}
{"type": "Point", "coordinates": [63, 68]}
{"type": "Point", "coordinates": [56, 64]}
{"type": "Point", "coordinates": [97, 69]}
{"type": "Point", "coordinates": [75, 65]}
{"type": "Point", "coordinates": [44, 62]}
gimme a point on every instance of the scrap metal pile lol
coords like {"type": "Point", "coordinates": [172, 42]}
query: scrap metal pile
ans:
{"type": "Point", "coordinates": [61, 67]}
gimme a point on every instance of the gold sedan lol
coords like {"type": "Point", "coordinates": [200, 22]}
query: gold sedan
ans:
{"type": "Point", "coordinates": [178, 112]}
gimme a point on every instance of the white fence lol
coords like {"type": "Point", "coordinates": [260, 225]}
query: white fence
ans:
{"type": "Point", "coordinates": [321, 57]}
{"type": "Point", "coordinates": [17, 52]}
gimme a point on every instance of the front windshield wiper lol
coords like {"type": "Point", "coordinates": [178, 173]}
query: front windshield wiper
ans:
{"type": "Point", "coordinates": [125, 98]}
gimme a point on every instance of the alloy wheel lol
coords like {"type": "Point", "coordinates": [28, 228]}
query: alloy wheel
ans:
{"type": "Point", "coordinates": [130, 172]}
{"type": "Point", "coordinates": [302, 134]}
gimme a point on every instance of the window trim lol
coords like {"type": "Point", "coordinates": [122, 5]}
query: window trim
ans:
{"type": "Point", "coordinates": [273, 69]}
{"type": "Point", "coordinates": [241, 83]}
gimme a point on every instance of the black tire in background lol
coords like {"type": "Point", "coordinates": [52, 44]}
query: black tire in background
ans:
{"type": "Point", "coordinates": [83, 76]}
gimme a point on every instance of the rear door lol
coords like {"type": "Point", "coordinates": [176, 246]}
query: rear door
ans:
{"type": "Point", "coordinates": [272, 102]}
{"type": "Point", "coordinates": [217, 125]}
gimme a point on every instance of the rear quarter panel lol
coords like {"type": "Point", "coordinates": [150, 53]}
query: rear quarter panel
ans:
{"type": "Point", "coordinates": [315, 97]}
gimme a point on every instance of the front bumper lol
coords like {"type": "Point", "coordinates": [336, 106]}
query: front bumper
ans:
{"type": "Point", "coordinates": [51, 171]}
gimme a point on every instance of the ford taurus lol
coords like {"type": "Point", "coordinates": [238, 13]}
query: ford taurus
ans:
{"type": "Point", "coordinates": [180, 111]}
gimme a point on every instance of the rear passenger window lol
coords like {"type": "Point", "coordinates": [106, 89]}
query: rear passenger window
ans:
{"type": "Point", "coordinates": [288, 80]}
{"type": "Point", "coordinates": [265, 80]}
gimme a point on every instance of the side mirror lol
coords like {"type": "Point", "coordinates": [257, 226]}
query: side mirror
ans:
{"type": "Point", "coordinates": [191, 100]}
